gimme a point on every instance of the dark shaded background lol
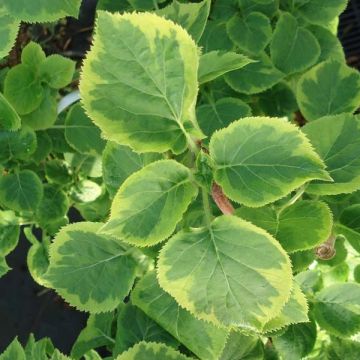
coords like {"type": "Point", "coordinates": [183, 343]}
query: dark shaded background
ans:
{"type": "Point", "coordinates": [24, 306]}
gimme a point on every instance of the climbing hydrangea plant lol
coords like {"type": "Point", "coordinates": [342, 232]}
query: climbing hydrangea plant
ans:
{"type": "Point", "coordinates": [214, 159]}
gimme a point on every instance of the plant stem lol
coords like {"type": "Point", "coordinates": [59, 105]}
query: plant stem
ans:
{"type": "Point", "coordinates": [207, 207]}
{"type": "Point", "coordinates": [221, 200]}
{"type": "Point", "coordinates": [300, 191]}
{"type": "Point", "coordinates": [326, 250]}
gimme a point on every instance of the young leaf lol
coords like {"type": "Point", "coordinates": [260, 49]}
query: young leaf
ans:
{"type": "Point", "coordinates": [251, 33]}
{"type": "Point", "coordinates": [119, 162]}
{"type": "Point", "coordinates": [13, 351]}
{"type": "Point", "coordinates": [337, 309]}
{"type": "Point", "coordinates": [255, 77]}
{"type": "Point", "coordinates": [192, 17]}
{"type": "Point", "coordinates": [272, 159]}
{"type": "Point", "coordinates": [81, 133]}
{"type": "Point", "coordinates": [151, 351]}
{"type": "Point", "coordinates": [21, 191]}
{"type": "Point", "coordinates": [300, 226]}
{"type": "Point", "coordinates": [293, 48]}
{"type": "Point", "coordinates": [329, 88]}
{"type": "Point", "coordinates": [150, 203]}
{"type": "Point", "coordinates": [215, 63]}
{"type": "Point", "coordinates": [163, 73]}
{"type": "Point", "coordinates": [97, 333]}
{"type": "Point", "coordinates": [320, 12]}
{"type": "Point", "coordinates": [297, 341]}
{"type": "Point", "coordinates": [202, 338]}
{"type": "Point", "coordinates": [57, 71]}
{"type": "Point", "coordinates": [8, 30]}
{"type": "Point", "coordinates": [23, 89]}
{"type": "Point", "coordinates": [33, 55]}
{"type": "Point", "coordinates": [9, 119]}
{"type": "Point", "coordinates": [294, 311]}
{"type": "Point", "coordinates": [214, 273]}
{"type": "Point", "coordinates": [217, 115]}
{"type": "Point", "coordinates": [41, 10]}
{"type": "Point", "coordinates": [338, 146]}
{"type": "Point", "coordinates": [134, 326]}
{"type": "Point", "coordinates": [83, 265]}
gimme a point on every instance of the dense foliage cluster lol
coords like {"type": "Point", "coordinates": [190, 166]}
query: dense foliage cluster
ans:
{"type": "Point", "coordinates": [214, 159]}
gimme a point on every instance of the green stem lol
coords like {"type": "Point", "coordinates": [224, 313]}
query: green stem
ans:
{"type": "Point", "coordinates": [207, 207]}
{"type": "Point", "coordinates": [300, 191]}
{"type": "Point", "coordinates": [156, 6]}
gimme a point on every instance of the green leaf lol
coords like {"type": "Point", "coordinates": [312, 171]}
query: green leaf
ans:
{"type": "Point", "coordinates": [97, 333]}
{"type": "Point", "coordinates": [259, 160]}
{"type": "Point", "coordinates": [329, 88]}
{"type": "Point", "coordinates": [81, 133]}
{"type": "Point", "coordinates": [38, 349]}
{"type": "Point", "coordinates": [269, 8]}
{"type": "Point", "coordinates": [350, 225]}
{"type": "Point", "coordinates": [44, 146]}
{"type": "Point", "coordinates": [163, 73]}
{"type": "Point", "coordinates": [9, 232]}
{"type": "Point", "coordinates": [301, 260]}
{"type": "Point", "coordinates": [242, 347]}
{"type": "Point", "coordinates": [293, 48]}
{"type": "Point", "coordinates": [216, 63]}
{"type": "Point", "coordinates": [9, 119]}
{"type": "Point", "coordinates": [13, 351]}
{"type": "Point", "coordinates": [215, 37]}
{"type": "Point", "coordinates": [218, 277]}
{"type": "Point", "coordinates": [21, 191]}
{"type": "Point", "coordinates": [83, 265]}
{"type": "Point", "coordinates": [134, 326]}
{"type": "Point", "coordinates": [320, 12]}
{"type": "Point", "coordinates": [340, 349]}
{"type": "Point", "coordinates": [151, 351]}
{"type": "Point", "coordinates": [8, 30]}
{"type": "Point", "coordinates": [214, 116]}
{"type": "Point", "coordinates": [300, 226]}
{"type": "Point", "coordinates": [297, 341]}
{"type": "Point", "coordinates": [33, 55]}
{"type": "Point", "coordinates": [23, 89]}
{"type": "Point", "coordinates": [310, 281]}
{"type": "Point", "coordinates": [57, 172]}
{"type": "Point", "coordinates": [192, 17]}
{"type": "Point", "coordinates": [4, 268]}
{"type": "Point", "coordinates": [337, 309]}
{"type": "Point", "coordinates": [41, 10]}
{"type": "Point", "coordinates": [338, 146]}
{"type": "Point", "coordinates": [294, 311]}
{"type": "Point", "coordinates": [255, 77]}
{"type": "Point", "coordinates": [17, 145]}
{"type": "Point", "coordinates": [251, 33]}
{"type": "Point", "coordinates": [85, 191]}
{"type": "Point", "coordinates": [38, 263]}
{"type": "Point", "coordinates": [119, 162]}
{"type": "Point", "coordinates": [150, 203]}
{"type": "Point", "coordinates": [53, 206]}
{"type": "Point", "coordinates": [97, 210]}
{"type": "Point", "coordinates": [204, 339]}
{"type": "Point", "coordinates": [57, 71]}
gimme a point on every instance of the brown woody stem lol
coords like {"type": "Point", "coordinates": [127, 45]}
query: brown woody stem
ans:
{"type": "Point", "coordinates": [221, 200]}
{"type": "Point", "coordinates": [326, 251]}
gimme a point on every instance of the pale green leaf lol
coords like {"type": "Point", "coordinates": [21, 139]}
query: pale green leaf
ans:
{"type": "Point", "coordinates": [259, 160]}
{"type": "Point", "coordinates": [251, 33]}
{"type": "Point", "coordinates": [41, 10]}
{"type": "Point", "coordinates": [33, 55]}
{"type": "Point", "coordinates": [23, 89]}
{"type": "Point", "coordinates": [97, 333]}
{"type": "Point", "coordinates": [9, 232]}
{"type": "Point", "coordinates": [322, 12]}
{"type": "Point", "coordinates": [216, 63]}
{"type": "Point", "coordinates": [295, 311]}
{"type": "Point", "coordinates": [255, 77]}
{"type": "Point", "coordinates": [57, 71]}
{"type": "Point", "coordinates": [84, 264]}
{"type": "Point", "coordinates": [8, 30]}
{"type": "Point", "coordinates": [336, 139]}
{"type": "Point", "coordinates": [38, 262]}
{"type": "Point", "coordinates": [133, 326]}
{"type": "Point", "coordinates": [9, 119]}
{"type": "Point", "coordinates": [119, 162]}
{"type": "Point", "coordinates": [150, 203]}
{"type": "Point", "coordinates": [151, 351]}
{"type": "Point", "coordinates": [21, 191]}
{"type": "Point", "coordinates": [300, 226]}
{"type": "Point", "coordinates": [214, 116]}
{"type": "Point", "coordinates": [38, 349]}
{"type": "Point", "coordinates": [337, 309]}
{"type": "Point", "coordinates": [215, 274]}
{"type": "Point", "coordinates": [81, 133]}
{"type": "Point", "coordinates": [297, 341]}
{"type": "Point", "coordinates": [163, 74]}
{"type": "Point", "coordinates": [13, 351]}
{"type": "Point", "coordinates": [202, 338]}
{"type": "Point", "coordinates": [328, 88]}
{"type": "Point", "coordinates": [192, 17]}
{"type": "Point", "coordinates": [85, 191]}
{"type": "Point", "coordinates": [293, 48]}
